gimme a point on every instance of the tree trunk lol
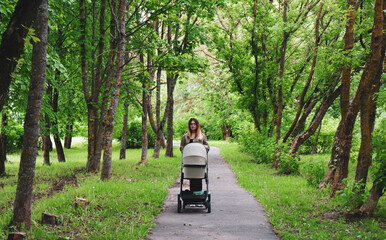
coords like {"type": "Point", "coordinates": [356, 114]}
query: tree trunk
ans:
{"type": "Point", "coordinates": [280, 87]}
{"type": "Point", "coordinates": [23, 200]}
{"type": "Point", "coordinates": [376, 192]}
{"type": "Point", "coordinates": [310, 76]}
{"type": "Point", "coordinates": [3, 144]}
{"type": "Point", "coordinates": [301, 138]}
{"type": "Point", "coordinates": [373, 73]}
{"type": "Point", "coordinates": [160, 139]}
{"type": "Point", "coordinates": [332, 164]}
{"type": "Point", "coordinates": [95, 126]}
{"type": "Point", "coordinates": [47, 144]}
{"type": "Point", "coordinates": [12, 42]}
{"type": "Point", "coordinates": [58, 143]}
{"type": "Point", "coordinates": [171, 82]}
{"type": "Point", "coordinates": [68, 136]}
{"type": "Point", "coordinates": [226, 131]}
{"type": "Point", "coordinates": [341, 171]}
{"type": "Point", "coordinates": [122, 152]}
{"type": "Point", "coordinates": [109, 122]}
{"type": "Point", "coordinates": [316, 140]}
{"type": "Point", "coordinates": [159, 124]}
{"type": "Point", "coordinates": [145, 140]}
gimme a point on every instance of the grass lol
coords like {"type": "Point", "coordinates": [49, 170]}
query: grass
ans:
{"type": "Point", "coordinates": [296, 209]}
{"type": "Point", "coordinates": [122, 208]}
{"type": "Point", "coordinates": [125, 207]}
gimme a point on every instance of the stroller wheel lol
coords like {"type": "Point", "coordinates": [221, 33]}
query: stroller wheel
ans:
{"type": "Point", "coordinates": [208, 204]}
{"type": "Point", "coordinates": [179, 204]}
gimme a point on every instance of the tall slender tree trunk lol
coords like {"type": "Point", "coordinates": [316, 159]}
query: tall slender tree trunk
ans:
{"type": "Point", "coordinates": [58, 143]}
{"type": "Point", "coordinates": [280, 86]}
{"type": "Point", "coordinates": [373, 72]}
{"type": "Point", "coordinates": [109, 122]}
{"type": "Point", "coordinates": [319, 115]}
{"type": "Point", "coordinates": [46, 141]}
{"type": "Point", "coordinates": [95, 126]}
{"type": "Point", "coordinates": [122, 152]}
{"type": "Point", "coordinates": [310, 76]}
{"type": "Point", "coordinates": [23, 200]}
{"type": "Point", "coordinates": [12, 42]}
{"type": "Point", "coordinates": [3, 144]}
{"type": "Point", "coordinates": [157, 125]}
{"type": "Point", "coordinates": [47, 144]}
{"type": "Point", "coordinates": [347, 119]}
{"type": "Point", "coordinates": [145, 140]}
{"type": "Point", "coordinates": [314, 148]}
{"type": "Point", "coordinates": [68, 136]}
{"type": "Point", "coordinates": [171, 82]}
{"type": "Point", "coordinates": [332, 164]}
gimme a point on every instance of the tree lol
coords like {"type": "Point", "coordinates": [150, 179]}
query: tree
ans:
{"type": "Point", "coordinates": [3, 144]}
{"type": "Point", "coordinates": [12, 42]}
{"type": "Point", "coordinates": [109, 122]}
{"type": "Point", "coordinates": [122, 151]}
{"type": "Point", "coordinates": [372, 78]}
{"type": "Point", "coordinates": [23, 200]}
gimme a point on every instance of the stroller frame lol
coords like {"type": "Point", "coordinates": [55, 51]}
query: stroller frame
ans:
{"type": "Point", "coordinates": [187, 197]}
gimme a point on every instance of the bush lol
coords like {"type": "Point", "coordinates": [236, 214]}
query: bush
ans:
{"type": "Point", "coordinates": [14, 138]}
{"type": "Point", "coordinates": [324, 145]}
{"type": "Point", "coordinates": [352, 195]}
{"type": "Point", "coordinates": [134, 135]}
{"type": "Point", "coordinates": [378, 168]}
{"type": "Point", "coordinates": [288, 163]}
{"type": "Point", "coordinates": [258, 145]}
{"type": "Point", "coordinates": [314, 172]}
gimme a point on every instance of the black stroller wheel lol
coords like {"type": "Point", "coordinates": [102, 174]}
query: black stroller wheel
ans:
{"type": "Point", "coordinates": [208, 204]}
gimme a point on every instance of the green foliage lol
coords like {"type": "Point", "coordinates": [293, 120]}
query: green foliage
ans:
{"type": "Point", "coordinates": [288, 164]}
{"type": "Point", "coordinates": [379, 142]}
{"type": "Point", "coordinates": [14, 138]}
{"type": "Point", "coordinates": [262, 148]}
{"type": "Point", "coordinates": [314, 171]}
{"type": "Point", "coordinates": [134, 135]}
{"type": "Point", "coordinates": [352, 196]}
{"type": "Point", "coordinates": [295, 209]}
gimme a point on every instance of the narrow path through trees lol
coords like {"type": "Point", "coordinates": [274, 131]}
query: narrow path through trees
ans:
{"type": "Point", "coordinates": [235, 213]}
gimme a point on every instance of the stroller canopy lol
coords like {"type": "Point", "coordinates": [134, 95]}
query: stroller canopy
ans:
{"type": "Point", "coordinates": [194, 154]}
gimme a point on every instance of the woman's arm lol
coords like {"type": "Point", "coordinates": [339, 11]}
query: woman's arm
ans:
{"type": "Point", "coordinates": [205, 142]}
{"type": "Point", "coordinates": [183, 142]}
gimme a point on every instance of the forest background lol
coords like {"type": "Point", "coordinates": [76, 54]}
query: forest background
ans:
{"type": "Point", "coordinates": [282, 78]}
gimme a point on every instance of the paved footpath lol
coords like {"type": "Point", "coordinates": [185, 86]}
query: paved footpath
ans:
{"type": "Point", "coordinates": [235, 213]}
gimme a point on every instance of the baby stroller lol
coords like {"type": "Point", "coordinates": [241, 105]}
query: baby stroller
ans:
{"type": "Point", "coordinates": [194, 165]}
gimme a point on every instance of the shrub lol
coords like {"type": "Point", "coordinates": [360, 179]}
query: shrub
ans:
{"type": "Point", "coordinates": [378, 168]}
{"type": "Point", "coordinates": [258, 145]}
{"type": "Point", "coordinates": [288, 163]}
{"type": "Point", "coordinates": [324, 145]}
{"type": "Point", "coordinates": [134, 135]}
{"type": "Point", "coordinates": [314, 172]}
{"type": "Point", "coordinates": [352, 195]}
{"type": "Point", "coordinates": [14, 138]}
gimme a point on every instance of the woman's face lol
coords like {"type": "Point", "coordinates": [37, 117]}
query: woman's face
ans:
{"type": "Point", "coordinates": [193, 126]}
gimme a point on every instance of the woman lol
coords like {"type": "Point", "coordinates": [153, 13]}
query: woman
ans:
{"type": "Point", "coordinates": [194, 135]}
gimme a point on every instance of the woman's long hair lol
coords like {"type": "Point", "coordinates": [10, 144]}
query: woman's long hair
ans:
{"type": "Point", "coordinates": [198, 130]}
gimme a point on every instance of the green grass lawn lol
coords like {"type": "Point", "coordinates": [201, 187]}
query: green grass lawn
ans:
{"type": "Point", "coordinates": [122, 208]}
{"type": "Point", "coordinates": [296, 209]}
{"type": "Point", "coordinates": [125, 207]}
